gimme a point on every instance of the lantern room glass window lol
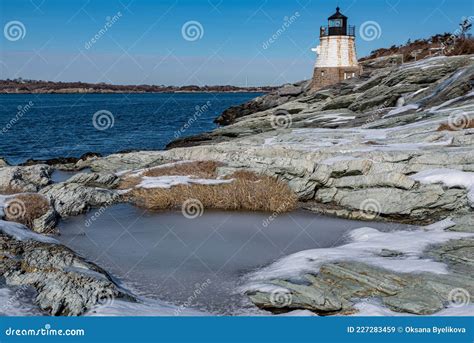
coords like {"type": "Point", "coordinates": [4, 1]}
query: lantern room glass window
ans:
{"type": "Point", "coordinates": [335, 23]}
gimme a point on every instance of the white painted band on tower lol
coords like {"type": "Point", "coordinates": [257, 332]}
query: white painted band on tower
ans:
{"type": "Point", "coordinates": [337, 51]}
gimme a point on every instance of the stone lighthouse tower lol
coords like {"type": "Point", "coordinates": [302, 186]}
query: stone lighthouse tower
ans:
{"type": "Point", "coordinates": [337, 59]}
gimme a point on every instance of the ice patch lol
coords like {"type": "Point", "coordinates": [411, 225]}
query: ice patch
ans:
{"type": "Point", "coordinates": [170, 181]}
{"type": "Point", "coordinates": [451, 178]}
{"type": "Point", "coordinates": [143, 308]}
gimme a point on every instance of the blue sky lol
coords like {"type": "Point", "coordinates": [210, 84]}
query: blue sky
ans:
{"type": "Point", "coordinates": [145, 45]}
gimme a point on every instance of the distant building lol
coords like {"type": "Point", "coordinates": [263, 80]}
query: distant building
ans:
{"type": "Point", "coordinates": [337, 59]}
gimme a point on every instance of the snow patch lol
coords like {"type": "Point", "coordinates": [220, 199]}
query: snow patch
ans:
{"type": "Point", "coordinates": [22, 233]}
{"type": "Point", "coordinates": [366, 246]}
{"type": "Point", "coordinates": [170, 181]}
{"type": "Point", "coordinates": [402, 109]}
{"type": "Point", "coordinates": [139, 172]}
{"type": "Point", "coordinates": [451, 178]}
{"type": "Point", "coordinates": [418, 91]}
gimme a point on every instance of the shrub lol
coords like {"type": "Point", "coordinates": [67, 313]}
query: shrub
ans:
{"type": "Point", "coordinates": [25, 208]}
{"type": "Point", "coordinates": [247, 192]}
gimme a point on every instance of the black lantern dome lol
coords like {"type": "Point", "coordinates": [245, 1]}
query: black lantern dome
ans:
{"type": "Point", "coordinates": [337, 26]}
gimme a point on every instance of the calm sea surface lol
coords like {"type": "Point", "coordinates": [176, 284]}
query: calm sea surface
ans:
{"type": "Point", "coordinates": [43, 126]}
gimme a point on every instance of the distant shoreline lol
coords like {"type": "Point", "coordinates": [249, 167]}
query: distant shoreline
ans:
{"type": "Point", "coordinates": [20, 86]}
{"type": "Point", "coordinates": [177, 92]}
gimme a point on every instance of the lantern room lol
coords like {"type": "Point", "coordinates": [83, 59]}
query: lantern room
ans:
{"type": "Point", "coordinates": [337, 26]}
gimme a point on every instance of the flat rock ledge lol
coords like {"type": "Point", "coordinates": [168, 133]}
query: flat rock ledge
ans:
{"type": "Point", "coordinates": [338, 286]}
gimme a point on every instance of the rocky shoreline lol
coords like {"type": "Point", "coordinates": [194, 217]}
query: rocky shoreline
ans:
{"type": "Point", "coordinates": [395, 145]}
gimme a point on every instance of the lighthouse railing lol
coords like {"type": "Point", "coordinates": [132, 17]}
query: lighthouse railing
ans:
{"type": "Point", "coordinates": [337, 31]}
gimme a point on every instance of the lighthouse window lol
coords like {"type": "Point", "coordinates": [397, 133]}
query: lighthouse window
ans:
{"type": "Point", "coordinates": [348, 75]}
{"type": "Point", "coordinates": [335, 23]}
{"type": "Point", "coordinates": [322, 74]}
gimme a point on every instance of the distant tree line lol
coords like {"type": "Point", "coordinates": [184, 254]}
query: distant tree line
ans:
{"type": "Point", "coordinates": [20, 85]}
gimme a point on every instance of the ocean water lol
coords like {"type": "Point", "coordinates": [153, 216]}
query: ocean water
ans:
{"type": "Point", "coordinates": [43, 126]}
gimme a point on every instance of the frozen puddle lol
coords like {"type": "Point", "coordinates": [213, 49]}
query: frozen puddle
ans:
{"type": "Point", "coordinates": [62, 175]}
{"type": "Point", "coordinates": [197, 263]}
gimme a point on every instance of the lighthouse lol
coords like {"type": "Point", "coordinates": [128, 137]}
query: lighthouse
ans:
{"type": "Point", "coordinates": [337, 59]}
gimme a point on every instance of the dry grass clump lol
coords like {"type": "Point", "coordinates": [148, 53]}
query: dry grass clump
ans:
{"type": "Point", "coordinates": [198, 169]}
{"type": "Point", "coordinates": [248, 192]}
{"type": "Point", "coordinates": [453, 127]}
{"type": "Point", "coordinates": [10, 189]}
{"type": "Point", "coordinates": [25, 208]}
{"type": "Point", "coordinates": [128, 182]}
